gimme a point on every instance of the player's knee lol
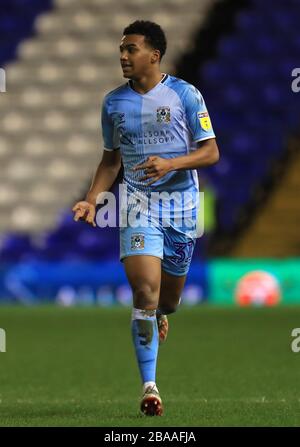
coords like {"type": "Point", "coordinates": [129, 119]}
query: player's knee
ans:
{"type": "Point", "coordinates": [145, 296]}
{"type": "Point", "coordinates": [169, 308]}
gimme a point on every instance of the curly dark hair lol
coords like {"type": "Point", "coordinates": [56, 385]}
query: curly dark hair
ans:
{"type": "Point", "coordinates": [154, 35]}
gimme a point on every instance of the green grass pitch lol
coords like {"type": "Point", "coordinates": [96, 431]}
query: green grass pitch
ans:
{"type": "Point", "coordinates": [219, 367]}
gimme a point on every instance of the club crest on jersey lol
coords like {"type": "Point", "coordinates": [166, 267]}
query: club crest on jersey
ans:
{"type": "Point", "coordinates": [204, 120]}
{"type": "Point", "coordinates": [163, 115]}
{"type": "Point", "coordinates": [137, 241]}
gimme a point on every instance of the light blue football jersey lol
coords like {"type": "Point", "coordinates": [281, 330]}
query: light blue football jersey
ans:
{"type": "Point", "coordinates": [167, 121]}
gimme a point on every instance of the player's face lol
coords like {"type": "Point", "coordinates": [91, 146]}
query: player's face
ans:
{"type": "Point", "coordinates": [136, 57]}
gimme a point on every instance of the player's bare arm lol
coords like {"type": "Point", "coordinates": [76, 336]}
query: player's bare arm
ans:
{"type": "Point", "coordinates": [103, 179]}
{"type": "Point", "coordinates": [206, 154]}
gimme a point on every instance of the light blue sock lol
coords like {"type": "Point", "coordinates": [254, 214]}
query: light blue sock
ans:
{"type": "Point", "coordinates": [145, 339]}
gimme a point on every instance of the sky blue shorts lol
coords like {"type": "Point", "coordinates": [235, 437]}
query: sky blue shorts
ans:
{"type": "Point", "coordinates": [172, 245]}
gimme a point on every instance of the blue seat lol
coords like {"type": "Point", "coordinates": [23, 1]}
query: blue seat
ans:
{"type": "Point", "coordinates": [214, 72]}
{"type": "Point", "coordinates": [234, 95]}
{"type": "Point", "coordinates": [230, 47]}
{"type": "Point", "coordinates": [14, 247]}
{"type": "Point", "coordinates": [284, 19]}
{"type": "Point", "coordinates": [249, 69]}
{"type": "Point", "coordinates": [247, 21]}
{"type": "Point", "coordinates": [273, 95]}
{"type": "Point", "coordinates": [244, 143]}
{"type": "Point", "coordinates": [100, 243]}
{"type": "Point", "coordinates": [265, 44]}
{"type": "Point", "coordinates": [16, 23]}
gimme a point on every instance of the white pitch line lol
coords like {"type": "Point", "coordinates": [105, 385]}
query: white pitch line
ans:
{"type": "Point", "coordinates": [201, 400]}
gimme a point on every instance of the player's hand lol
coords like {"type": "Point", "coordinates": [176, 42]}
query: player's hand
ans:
{"type": "Point", "coordinates": [154, 168]}
{"type": "Point", "coordinates": [85, 211]}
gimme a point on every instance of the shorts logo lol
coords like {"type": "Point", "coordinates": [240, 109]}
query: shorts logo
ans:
{"type": "Point", "coordinates": [137, 241]}
{"type": "Point", "coordinates": [121, 118]}
{"type": "Point", "coordinates": [204, 120]}
{"type": "Point", "coordinates": [163, 115]}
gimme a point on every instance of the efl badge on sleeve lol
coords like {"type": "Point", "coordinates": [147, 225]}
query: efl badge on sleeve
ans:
{"type": "Point", "coordinates": [163, 115]}
{"type": "Point", "coordinates": [204, 120]}
{"type": "Point", "coordinates": [137, 241]}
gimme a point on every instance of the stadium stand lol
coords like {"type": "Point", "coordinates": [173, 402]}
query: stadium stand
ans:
{"type": "Point", "coordinates": [248, 88]}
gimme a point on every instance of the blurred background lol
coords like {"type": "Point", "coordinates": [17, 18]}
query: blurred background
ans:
{"type": "Point", "coordinates": [60, 58]}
